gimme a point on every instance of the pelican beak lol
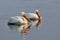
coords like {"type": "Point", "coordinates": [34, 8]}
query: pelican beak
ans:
{"type": "Point", "coordinates": [25, 16]}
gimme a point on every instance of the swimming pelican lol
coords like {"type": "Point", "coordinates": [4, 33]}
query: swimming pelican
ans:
{"type": "Point", "coordinates": [34, 17]}
{"type": "Point", "coordinates": [18, 20]}
{"type": "Point", "coordinates": [22, 21]}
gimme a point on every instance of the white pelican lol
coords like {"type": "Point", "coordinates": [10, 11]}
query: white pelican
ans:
{"type": "Point", "coordinates": [18, 20]}
{"type": "Point", "coordinates": [34, 16]}
{"type": "Point", "coordinates": [22, 21]}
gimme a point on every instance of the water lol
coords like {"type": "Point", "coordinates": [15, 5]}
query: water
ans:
{"type": "Point", "coordinates": [50, 27]}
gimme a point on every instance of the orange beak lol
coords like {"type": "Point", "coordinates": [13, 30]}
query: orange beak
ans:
{"type": "Point", "coordinates": [25, 16]}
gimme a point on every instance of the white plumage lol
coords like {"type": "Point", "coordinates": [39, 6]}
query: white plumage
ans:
{"type": "Point", "coordinates": [32, 15]}
{"type": "Point", "coordinates": [18, 19]}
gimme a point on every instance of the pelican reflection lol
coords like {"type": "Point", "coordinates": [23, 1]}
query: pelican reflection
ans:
{"type": "Point", "coordinates": [21, 28]}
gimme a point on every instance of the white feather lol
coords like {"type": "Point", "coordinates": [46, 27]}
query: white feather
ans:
{"type": "Point", "coordinates": [32, 15]}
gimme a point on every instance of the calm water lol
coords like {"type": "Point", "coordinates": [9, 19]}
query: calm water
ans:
{"type": "Point", "coordinates": [50, 27]}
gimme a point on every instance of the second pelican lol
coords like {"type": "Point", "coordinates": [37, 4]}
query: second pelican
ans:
{"type": "Point", "coordinates": [34, 17]}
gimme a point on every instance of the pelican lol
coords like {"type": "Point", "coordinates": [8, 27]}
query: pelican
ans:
{"type": "Point", "coordinates": [18, 20]}
{"type": "Point", "coordinates": [34, 17]}
{"type": "Point", "coordinates": [22, 21]}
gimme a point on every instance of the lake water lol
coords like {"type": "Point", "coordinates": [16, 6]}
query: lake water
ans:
{"type": "Point", "coordinates": [50, 27]}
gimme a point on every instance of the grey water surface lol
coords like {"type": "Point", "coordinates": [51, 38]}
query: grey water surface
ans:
{"type": "Point", "coordinates": [50, 11]}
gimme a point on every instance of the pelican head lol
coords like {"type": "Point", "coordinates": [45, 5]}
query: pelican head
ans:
{"type": "Point", "coordinates": [22, 13]}
{"type": "Point", "coordinates": [37, 10]}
